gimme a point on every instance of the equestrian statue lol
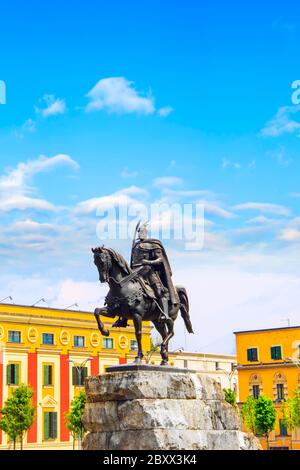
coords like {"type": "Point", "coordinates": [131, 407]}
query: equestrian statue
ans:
{"type": "Point", "coordinates": [143, 291]}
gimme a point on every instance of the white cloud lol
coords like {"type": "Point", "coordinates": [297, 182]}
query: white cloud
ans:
{"type": "Point", "coordinates": [124, 197]}
{"type": "Point", "coordinates": [52, 107]}
{"type": "Point", "coordinates": [282, 122]}
{"type": "Point", "coordinates": [118, 95]}
{"type": "Point", "coordinates": [14, 184]}
{"type": "Point", "coordinates": [23, 203]}
{"type": "Point", "coordinates": [167, 181]}
{"type": "Point", "coordinates": [164, 112]}
{"type": "Point", "coordinates": [229, 164]}
{"type": "Point", "coordinates": [217, 210]}
{"type": "Point", "coordinates": [126, 173]}
{"type": "Point", "coordinates": [290, 235]}
{"type": "Point", "coordinates": [269, 208]}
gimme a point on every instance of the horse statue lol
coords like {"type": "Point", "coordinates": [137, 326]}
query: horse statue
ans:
{"type": "Point", "coordinates": [130, 299]}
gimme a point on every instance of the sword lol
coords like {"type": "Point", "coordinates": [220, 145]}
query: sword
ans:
{"type": "Point", "coordinates": [134, 239]}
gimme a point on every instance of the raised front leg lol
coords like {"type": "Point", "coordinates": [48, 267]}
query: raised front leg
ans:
{"type": "Point", "coordinates": [101, 327]}
{"type": "Point", "coordinates": [137, 321]}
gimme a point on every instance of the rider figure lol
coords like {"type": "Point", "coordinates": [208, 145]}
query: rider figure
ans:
{"type": "Point", "coordinates": [151, 254]}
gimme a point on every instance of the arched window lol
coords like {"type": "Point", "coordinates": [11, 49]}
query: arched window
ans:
{"type": "Point", "coordinates": [255, 385]}
{"type": "Point", "coordinates": [280, 388]}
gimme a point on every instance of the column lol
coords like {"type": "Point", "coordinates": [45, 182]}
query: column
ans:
{"type": "Point", "coordinates": [64, 396]}
{"type": "Point", "coordinates": [32, 382]}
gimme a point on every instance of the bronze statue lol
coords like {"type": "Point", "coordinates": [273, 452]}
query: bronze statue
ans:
{"type": "Point", "coordinates": [142, 292]}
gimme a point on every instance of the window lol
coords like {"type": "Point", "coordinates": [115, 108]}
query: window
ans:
{"type": "Point", "coordinates": [217, 366]}
{"type": "Point", "coordinates": [252, 355]}
{"type": "Point", "coordinates": [78, 375]}
{"type": "Point", "coordinates": [283, 429]}
{"type": "Point", "coordinates": [48, 338]}
{"type": "Point", "coordinates": [50, 425]}
{"type": "Point", "coordinates": [79, 341]}
{"type": "Point", "coordinates": [279, 392]}
{"type": "Point", "coordinates": [108, 343]}
{"type": "Point", "coordinates": [133, 345]}
{"type": "Point", "coordinates": [185, 363]}
{"type": "Point", "coordinates": [13, 374]}
{"type": "Point", "coordinates": [255, 391]}
{"type": "Point", "coordinates": [276, 353]}
{"type": "Point", "coordinates": [14, 336]}
{"type": "Point", "coordinates": [48, 374]}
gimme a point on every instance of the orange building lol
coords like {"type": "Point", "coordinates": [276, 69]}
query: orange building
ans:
{"type": "Point", "coordinates": [268, 364]}
{"type": "Point", "coordinates": [53, 350]}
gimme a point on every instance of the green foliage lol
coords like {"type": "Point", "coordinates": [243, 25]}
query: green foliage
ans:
{"type": "Point", "coordinates": [73, 418]}
{"type": "Point", "coordinates": [265, 416]}
{"type": "Point", "coordinates": [230, 396]}
{"type": "Point", "coordinates": [290, 411]}
{"type": "Point", "coordinates": [248, 414]}
{"type": "Point", "coordinates": [18, 413]}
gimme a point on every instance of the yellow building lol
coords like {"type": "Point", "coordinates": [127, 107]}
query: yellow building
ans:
{"type": "Point", "coordinates": [53, 350]}
{"type": "Point", "coordinates": [268, 364]}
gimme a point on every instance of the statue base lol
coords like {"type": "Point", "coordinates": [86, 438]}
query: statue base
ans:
{"type": "Point", "coordinates": [141, 407]}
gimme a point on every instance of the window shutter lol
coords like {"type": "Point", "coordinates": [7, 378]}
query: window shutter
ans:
{"type": "Point", "coordinates": [279, 352]}
{"type": "Point", "coordinates": [50, 375]}
{"type": "Point", "coordinates": [84, 374]}
{"type": "Point", "coordinates": [8, 374]}
{"type": "Point", "coordinates": [46, 425]}
{"type": "Point", "coordinates": [45, 375]}
{"type": "Point", "coordinates": [54, 425]}
{"type": "Point", "coordinates": [272, 352]}
{"type": "Point", "coordinates": [74, 375]}
{"type": "Point", "coordinates": [16, 375]}
{"type": "Point", "coordinates": [248, 354]}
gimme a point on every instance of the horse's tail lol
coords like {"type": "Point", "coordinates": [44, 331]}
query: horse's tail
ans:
{"type": "Point", "coordinates": [185, 308]}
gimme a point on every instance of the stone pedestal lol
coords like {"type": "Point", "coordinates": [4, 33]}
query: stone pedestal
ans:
{"type": "Point", "coordinates": [160, 408]}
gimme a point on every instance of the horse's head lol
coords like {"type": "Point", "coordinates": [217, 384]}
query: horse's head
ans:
{"type": "Point", "coordinates": [102, 259]}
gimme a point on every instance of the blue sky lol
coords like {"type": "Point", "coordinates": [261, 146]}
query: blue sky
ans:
{"type": "Point", "coordinates": [105, 98]}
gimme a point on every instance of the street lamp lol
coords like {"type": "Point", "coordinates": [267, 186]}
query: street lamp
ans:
{"type": "Point", "coordinates": [73, 305]}
{"type": "Point", "coordinates": [79, 368]}
{"type": "Point", "coordinates": [8, 297]}
{"type": "Point", "coordinates": [38, 301]}
{"type": "Point", "coordinates": [228, 374]}
{"type": "Point", "coordinates": [294, 361]}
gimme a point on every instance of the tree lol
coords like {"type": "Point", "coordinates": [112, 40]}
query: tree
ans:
{"type": "Point", "coordinates": [248, 414]}
{"type": "Point", "coordinates": [73, 418]}
{"type": "Point", "coordinates": [265, 417]}
{"type": "Point", "coordinates": [287, 417]}
{"type": "Point", "coordinates": [230, 396]}
{"type": "Point", "coordinates": [291, 414]}
{"type": "Point", "coordinates": [18, 414]}
{"type": "Point", "coordinates": [154, 347]}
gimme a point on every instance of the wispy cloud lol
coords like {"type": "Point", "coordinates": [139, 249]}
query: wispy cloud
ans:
{"type": "Point", "coordinates": [164, 181]}
{"type": "Point", "coordinates": [289, 235]}
{"type": "Point", "coordinates": [52, 106]}
{"type": "Point", "coordinates": [123, 197]}
{"type": "Point", "coordinates": [282, 122]}
{"type": "Point", "coordinates": [164, 112]}
{"type": "Point", "coordinates": [15, 189]}
{"type": "Point", "coordinates": [126, 173]}
{"type": "Point", "coordinates": [229, 164]}
{"type": "Point", "coordinates": [265, 207]}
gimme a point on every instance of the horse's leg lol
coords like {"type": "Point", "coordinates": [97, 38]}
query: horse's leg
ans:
{"type": "Point", "coordinates": [137, 321]}
{"type": "Point", "coordinates": [162, 329]}
{"type": "Point", "coordinates": [101, 326]}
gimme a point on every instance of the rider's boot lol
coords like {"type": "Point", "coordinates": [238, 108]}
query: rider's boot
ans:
{"type": "Point", "coordinates": [120, 323]}
{"type": "Point", "coordinates": [165, 307]}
